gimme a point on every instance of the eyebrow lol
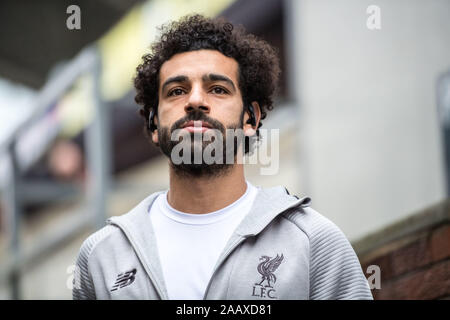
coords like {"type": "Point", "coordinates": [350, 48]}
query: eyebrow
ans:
{"type": "Point", "coordinates": [209, 77]}
{"type": "Point", "coordinates": [218, 77]}
{"type": "Point", "coordinates": [180, 78]}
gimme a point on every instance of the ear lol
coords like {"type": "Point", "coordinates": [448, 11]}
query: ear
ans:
{"type": "Point", "coordinates": [250, 130]}
{"type": "Point", "coordinates": [155, 132]}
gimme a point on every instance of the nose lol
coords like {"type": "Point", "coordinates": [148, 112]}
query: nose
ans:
{"type": "Point", "coordinates": [197, 100]}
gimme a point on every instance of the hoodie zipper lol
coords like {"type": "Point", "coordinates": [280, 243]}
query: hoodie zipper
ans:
{"type": "Point", "coordinates": [227, 253]}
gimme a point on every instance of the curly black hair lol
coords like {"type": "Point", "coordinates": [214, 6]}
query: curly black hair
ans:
{"type": "Point", "coordinates": [258, 61]}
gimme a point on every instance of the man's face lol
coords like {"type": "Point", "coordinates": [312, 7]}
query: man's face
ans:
{"type": "Point", "coordinates": [198, 85]}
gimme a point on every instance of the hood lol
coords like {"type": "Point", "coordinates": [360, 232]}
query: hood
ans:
{"type": "Point", "coordinates": [268, 204]}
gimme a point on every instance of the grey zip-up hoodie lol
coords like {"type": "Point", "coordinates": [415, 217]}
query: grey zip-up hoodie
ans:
{"type": "Point", "coordinates": [283, 249]}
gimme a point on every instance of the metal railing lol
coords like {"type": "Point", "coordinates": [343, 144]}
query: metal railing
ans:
{"type": "Point", "coordinates": [92, 213]}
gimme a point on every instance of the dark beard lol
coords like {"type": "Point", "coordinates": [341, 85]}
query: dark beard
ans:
{"type": "Point", "coordinates": [201, 169]}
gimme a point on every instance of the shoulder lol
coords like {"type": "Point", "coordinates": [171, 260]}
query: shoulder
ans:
{"type": "Point", "coordinates": [335, 270]}
{"type": "Point", "coordinates": [95, 239]}
{"type": "Point", "coordinates": [317, 227]}
{"type": "Point", "coordinates": [111, 234]}
{"type": "Point", "coordinates": [83, 283]}
{"type": "Point", "coordinates": [327, 241]}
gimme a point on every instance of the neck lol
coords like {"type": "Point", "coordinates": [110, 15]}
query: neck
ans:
{"type": "Point", "coordinates": [206, 194]}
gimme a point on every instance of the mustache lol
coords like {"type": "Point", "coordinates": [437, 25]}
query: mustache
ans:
{"type": "Point", "coordinates": [198, 115]}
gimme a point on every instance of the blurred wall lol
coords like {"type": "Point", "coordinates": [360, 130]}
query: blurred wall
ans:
{"type": "Point", "coordinates": [369, 139]}
{"type": "Point", "coordinates": [412, 256]}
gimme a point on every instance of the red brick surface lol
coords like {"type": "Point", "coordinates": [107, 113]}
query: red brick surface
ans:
{"type": "Point", "coordinates": [384, 262]}
{"type": "Point", "coordinates": [430, 283]}
{"type": "Point", "coordinates": [410, 257]}
{"type": "Point", "coordinates": [440, 243]}
{"type": "Point", "coordinates": [418, 270]}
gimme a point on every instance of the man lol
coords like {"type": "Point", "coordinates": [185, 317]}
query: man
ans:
{"type": "Point", "coordinates": [212, 234]}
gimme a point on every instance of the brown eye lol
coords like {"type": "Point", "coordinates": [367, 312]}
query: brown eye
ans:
{"type": "Point", "coordinates": [218, 90]}
{"type": "Point", "coordinates": [176, 92]}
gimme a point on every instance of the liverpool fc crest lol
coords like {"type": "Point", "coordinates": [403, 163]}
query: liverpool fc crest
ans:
{"type": "Point", "coordinates": [266, 268]}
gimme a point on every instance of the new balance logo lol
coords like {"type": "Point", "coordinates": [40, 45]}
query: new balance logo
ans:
{"type": "Point", "coordinates": [124, 279]}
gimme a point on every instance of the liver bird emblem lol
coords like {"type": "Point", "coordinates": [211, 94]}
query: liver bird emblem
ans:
{"type": "Point", "coordinates": [267, 267]}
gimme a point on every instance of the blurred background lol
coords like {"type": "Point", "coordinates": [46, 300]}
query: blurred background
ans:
{"type": "Point", "coordinates": [363, 113]}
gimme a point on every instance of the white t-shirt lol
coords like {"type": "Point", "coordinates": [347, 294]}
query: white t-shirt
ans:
{"type": "Point", "coordinates": [190, 244]}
